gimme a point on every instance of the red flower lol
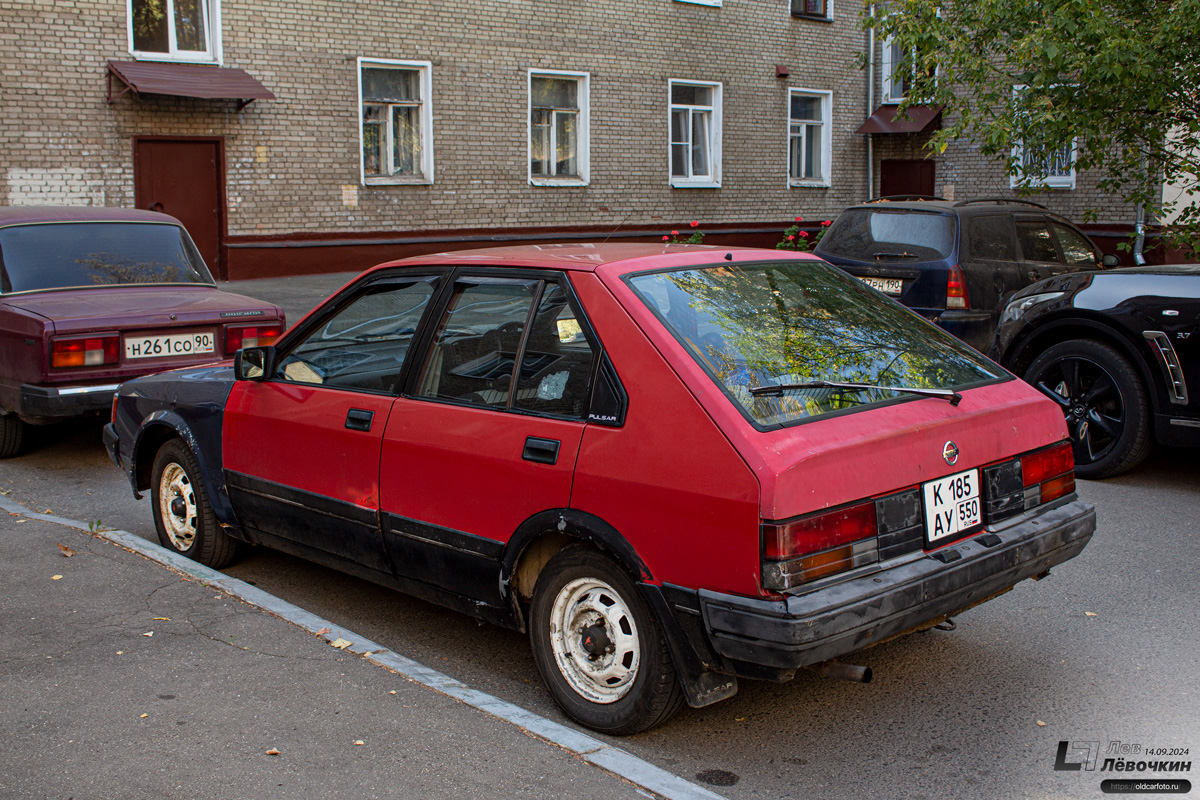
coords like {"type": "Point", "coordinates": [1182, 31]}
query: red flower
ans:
{"type": "Point", "coordinates": [799, 219]}
{"type": "Point", "coordinates": [803, 234]}
{"type": "Point", "coordinates": [695, 222]}
{"type": "Point", "coordinates": [790, 238]}
{"type": "Point", "coordinates": [666, 238]}
{"type": "Point", "coordinates": [826, 223]}
{"type": "Point", "coordinates": [674, 233]}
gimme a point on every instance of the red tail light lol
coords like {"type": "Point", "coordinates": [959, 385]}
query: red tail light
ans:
{"type": "Point", "coordinates": [956, 289]}
{"type": "Point", "coordinates": [820, 532]}
{"type": "Point", "coordinates": [1049, 472]}
{"type": "Point", "coordinates": [239, 336]}
{"type": "Point", "coordinates": [95, 351]}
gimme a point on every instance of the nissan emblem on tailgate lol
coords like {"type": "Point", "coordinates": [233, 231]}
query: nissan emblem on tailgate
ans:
{"type": "Point", "coordinates": [950, 453]}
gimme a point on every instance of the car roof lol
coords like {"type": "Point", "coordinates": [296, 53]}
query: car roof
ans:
{"type": "Point", "coordinates": [590, 256]}
{"type": "Point", "coordinates": [940, 205]}
{"type": "Point", "coordinates": [26, 215]}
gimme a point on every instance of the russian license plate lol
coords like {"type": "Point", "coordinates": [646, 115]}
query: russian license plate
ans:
{"type": "Point", "coordinates": [174, 344]}
{"type": "Point", "coordinates": [952, 505]}
{"type": "Point", "coordinates": [885, 285]}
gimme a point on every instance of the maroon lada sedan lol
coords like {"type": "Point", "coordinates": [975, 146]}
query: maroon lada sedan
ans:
{"type": "Point", "coordinates": [675, 467]}
{"type": "Point", "coordinates": [90, 297]}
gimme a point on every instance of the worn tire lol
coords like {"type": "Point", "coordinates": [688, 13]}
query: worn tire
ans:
{"type": "Point", "coordinates": [12, 431]}
{"type": "Point", "coordinates": [1104, 401]}
{"type": "Point", "coordinates": [626, 682]}
{"type": "Point", "coordinates": [183, 514]}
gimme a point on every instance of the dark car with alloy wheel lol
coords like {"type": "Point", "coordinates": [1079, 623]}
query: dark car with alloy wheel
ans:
{"type": "Point", "coordinates": [956, 263]}
{"type": "Point", "coordinates": [673, 466]}
{"type": "Point", "coordinates": [1119, 352]}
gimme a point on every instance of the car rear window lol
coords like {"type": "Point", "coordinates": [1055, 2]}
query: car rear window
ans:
{"type": "Point", "coordinates": [890, 235]}
{"type": "Point", "coordinates": [765, 324]}
{"type": "Point", "coordinates": [76, 254]}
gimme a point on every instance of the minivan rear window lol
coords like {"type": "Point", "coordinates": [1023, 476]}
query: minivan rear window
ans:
{"type": "Point", "coordinates": [890, 235]}
{"type": "Point", "coordinates": [77, 254]}
{"type": "Point", "coordinates": [758, 325]}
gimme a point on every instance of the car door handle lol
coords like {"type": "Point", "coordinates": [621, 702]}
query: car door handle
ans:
{"type": "Point", "coordinates": [359, 419]}
{"type": "Point", "coordinates": [543, 451]}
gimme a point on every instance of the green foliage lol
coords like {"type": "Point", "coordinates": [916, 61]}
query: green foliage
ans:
{"type": "Point", "coordinates": [696, 237]}
{"type": "Point", "coordinates": [1117, 79]}
{"type": "Point", "coordinates": [796, 239]}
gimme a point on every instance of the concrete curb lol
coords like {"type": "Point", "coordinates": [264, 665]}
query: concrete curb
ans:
{"type": "Point", "coordinates": [605, 756]}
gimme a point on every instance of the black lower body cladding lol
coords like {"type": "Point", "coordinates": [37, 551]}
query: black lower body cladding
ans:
{"type": "Point", "coordinates": [841, 618]}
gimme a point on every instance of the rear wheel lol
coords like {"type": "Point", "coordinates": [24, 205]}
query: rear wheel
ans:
{"type": "Point", "coordinates": [1104, 402]}
{"type": "Point", "coordinates": [12, 431]}
{"type": "Point", "coordinates": [182, 513]}
{"type": "Point", "coordinates": [598, 646]}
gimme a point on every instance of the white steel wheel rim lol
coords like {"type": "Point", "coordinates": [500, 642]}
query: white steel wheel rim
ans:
{"type": "Point", "coordinates": [589, 611]}
{"type": "Point", "coordinates": [176, 485]}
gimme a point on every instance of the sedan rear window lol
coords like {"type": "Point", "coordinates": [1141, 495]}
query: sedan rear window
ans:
{"type": "Point", "coordinates": [76, 254]}
{"type": "Point", "coordinates": [893, 235]}
{"type": "Point", "coordinates": [760, 330]}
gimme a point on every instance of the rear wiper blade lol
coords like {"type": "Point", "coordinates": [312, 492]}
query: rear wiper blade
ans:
{"type": "Point", "coordinates": [779, 388]}
{"type": "Point", "coordinates": [878, 256]}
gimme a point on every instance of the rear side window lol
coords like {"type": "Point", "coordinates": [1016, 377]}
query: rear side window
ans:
{"type": "Point", "coordinates": [755, 326]}
{"type": "Point", "coordinates": [556, 368]}
{"type": "Point", "coordinates": [77, 254]}
{"type": "Point", "coordinates": [887, 235]}
{"type": "Point", "coordinates": [1036, 242]}
{"type": "Point", "coordinates": [1077, 250]}
{"type": "Point", "coordinates": [991, 237]}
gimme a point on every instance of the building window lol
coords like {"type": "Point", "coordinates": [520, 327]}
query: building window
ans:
{"type": "Point", "coordinates": [695, 134]}
{"type": "Point", "coordinates": [895, 79]}
{"type": "Point", "coordinates": [396, 132]}
{"type": "Point", "coordinates": [809, 146]}
{"type": "Point", "coordinates": [1052, 169]}
{"type": "Point", "coordinates": [558, 128]}
{"type": "Point", "coordinates": [811, 8]}
{"type": "Point", "coordinates": [183, 30]}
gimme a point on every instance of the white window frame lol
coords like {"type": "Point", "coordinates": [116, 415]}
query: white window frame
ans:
{"type": "Point", "coordinates": [887, 83]}
{"type": "Point", "coordinates": [583, 126]}
{"type": "Point", "coordinates": [1066, 181]}
{"type": "Point", "coordinates": [798, 15]}
{"type": "Point", "coordinates": [425, 72]}
{"type": "Point", "coordinates": [712, 3]}
{"type": "Point", "coordinates": [826, 98]}
{"type": "Point", "coordinates": [713, 179]}
{"type": "Point", "coordinates": [212, 11]}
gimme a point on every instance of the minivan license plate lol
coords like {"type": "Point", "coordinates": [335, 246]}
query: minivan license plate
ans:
{"type": "Point", "coordinates": [885, 285]}
{"type": "Point", "coordinates": [952, 505]}
{"type": "Point", "coordinates": [175, 344]}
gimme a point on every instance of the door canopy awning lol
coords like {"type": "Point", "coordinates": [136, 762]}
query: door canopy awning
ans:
{"type": "Point", "coordinates": [187, 80]}
{"type": "Point", "coordinates": [916, 119]}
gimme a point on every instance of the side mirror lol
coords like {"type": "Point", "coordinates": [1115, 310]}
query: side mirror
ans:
{"type": "Point", "coordinates": [1109, 260]}
{"type": "Point", "coordinates": [254, 363]}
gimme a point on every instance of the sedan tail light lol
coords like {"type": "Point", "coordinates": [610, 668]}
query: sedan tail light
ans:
{"type": "Point", "coordinates": [1048, 474]}
{"type": "Point", "coordinates": [92, 351]}
{"type": "Point", "coordinates": [956, 289]}
{"type": "Point", "coordinates": [239, 336]}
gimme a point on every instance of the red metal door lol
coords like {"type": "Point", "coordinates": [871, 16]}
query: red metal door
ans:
{"type": "Point", "coordinates": [183, 178]}
{"type": "Point", "coordinates": [906, 177]}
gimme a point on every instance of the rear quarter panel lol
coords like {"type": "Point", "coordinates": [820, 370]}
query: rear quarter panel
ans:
{"type": "Point", "coordinates": [22, 351]}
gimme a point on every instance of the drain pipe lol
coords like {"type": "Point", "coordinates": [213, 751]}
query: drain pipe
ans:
{"type": "Point", "coordinates": [870, 104]}
{"type": "Point", "coordinates": [1139, 244]}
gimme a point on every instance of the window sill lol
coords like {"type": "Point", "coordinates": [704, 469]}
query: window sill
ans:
{"type": "Point", "coordinates": [1052, 185]}
{"type": "Point", "coordinates": [682, 184]}
{"type": "Point", "coordinates": [812, 17]}
{"type": "Point", "coordinates": [712, 3]}
{"type": "Point", "coordinates": [408, 181]}
{"type": "Point", "coordinates": [558, 182]}
{"type": "Point", "coordinates": [808, 184]}
{"type": "Point", "coordinates": [174, 59]}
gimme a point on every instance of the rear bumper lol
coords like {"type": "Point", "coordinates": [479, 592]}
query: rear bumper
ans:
{"type": "Point", "coordinates": [64, 401]}
{"type": "Point", "coordinates": [841, 618]}
{"type": "Point", "coordinates": [976, 328]}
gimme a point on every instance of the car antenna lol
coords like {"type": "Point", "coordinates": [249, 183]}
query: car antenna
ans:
{"type": "Point", "coordinates": [619, 225]}
{"type": "Point", "coordinates": [729, 256]}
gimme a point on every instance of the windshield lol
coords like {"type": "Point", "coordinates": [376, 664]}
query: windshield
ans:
{"type": "Point", "coordinates": [756, 325]}
{"type": "Point", "coordinates": [75, 254]}
{"type": "Point", "coordinates": [890, 235]}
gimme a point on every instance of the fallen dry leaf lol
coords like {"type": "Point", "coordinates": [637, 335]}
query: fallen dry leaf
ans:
{"type": "Point", "coordinates": [120, 652]}
{"type": "Point", "coordinates": [340, 643]}
{"type": "Point", "coordinates": [1041, 724]}
{"type": "Point", "coordinates": [163, 619]}
{"type": "Point", "coordinates": [323, 631]}
{"type": "Point", "coordinates": [358, 742]}
{"type": "Point", "coordinates": [56, 577]}
{"type": "Point", "coordinates": [66, 551]}
{"type": "Point", "coordinates": [1090, 614]}
{"type": "Point", "coordinates": [272, 752]}
{"type": "Point", "coordinates": [148, 633]}
{"type": "Point", "coordinates": [393, 691]}
{"type": "Point", "coordinates": [143, 716]}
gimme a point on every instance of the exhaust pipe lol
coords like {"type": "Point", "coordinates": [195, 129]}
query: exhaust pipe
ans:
{"type": "Point", "coordinates": [844, 672]}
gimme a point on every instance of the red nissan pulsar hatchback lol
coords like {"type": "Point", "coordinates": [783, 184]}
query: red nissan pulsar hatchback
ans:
{"type": "Point", "coordinates": [90, 297]}
{"type": "Point", "coordinates": [673, 466]}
